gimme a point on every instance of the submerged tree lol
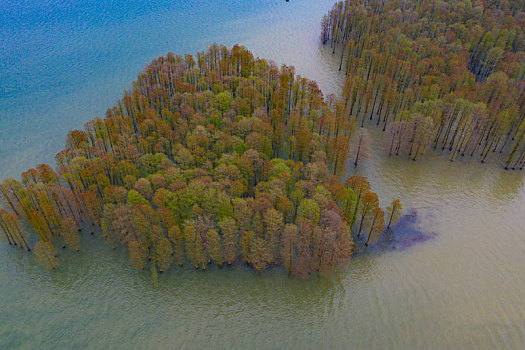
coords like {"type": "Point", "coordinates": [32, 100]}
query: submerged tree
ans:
{"type": "Point", "coordinates": [362, 145]}
{"type": "Point", "coordinates": [446, 74]}
{"type": "Point", "coordinates": [375, 223]}
{"type": "Point", "coordinates": [394, 211]}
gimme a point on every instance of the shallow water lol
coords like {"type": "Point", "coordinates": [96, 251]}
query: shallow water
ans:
{"type": "Point", "coordinates": [64, 62]}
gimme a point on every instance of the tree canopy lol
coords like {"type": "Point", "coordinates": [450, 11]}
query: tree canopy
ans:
{"type": "Point", "coordinates": [219, 158]}
{"type": "Point", "coordinates": [439, 74]}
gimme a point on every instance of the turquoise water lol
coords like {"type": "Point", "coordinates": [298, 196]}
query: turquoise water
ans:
{"type": "Point", "coordinates": [64, 62]}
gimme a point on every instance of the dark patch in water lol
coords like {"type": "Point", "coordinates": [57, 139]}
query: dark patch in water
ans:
{"type": "Point", "coordinates": [405, 234]}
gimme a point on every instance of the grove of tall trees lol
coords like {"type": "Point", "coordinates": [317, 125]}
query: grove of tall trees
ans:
{"type": "Point", "coordinates": [435, 74]}
{"type": "Point", "coordinates": [219, 158]}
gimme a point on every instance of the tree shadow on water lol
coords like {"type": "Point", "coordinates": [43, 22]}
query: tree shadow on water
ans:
{"type": "Point", "coordinates": [404, 235]}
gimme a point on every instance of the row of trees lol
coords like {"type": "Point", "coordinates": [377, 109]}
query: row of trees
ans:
{"type": "Point", "coordinates": [221, 158]}
{"type": "Point", "coordinates": [437, 74]}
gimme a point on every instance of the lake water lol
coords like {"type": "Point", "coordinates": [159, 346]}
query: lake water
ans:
{"type": "Point", "coordinates": [64, 62]}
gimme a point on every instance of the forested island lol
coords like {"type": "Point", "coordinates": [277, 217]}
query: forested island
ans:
{"type": "Point", "coordinates": [226, 158]}
{"type": "Point", "coordinates": [445, 75]}
{"type": "Point", "coordinates": [220, 158]}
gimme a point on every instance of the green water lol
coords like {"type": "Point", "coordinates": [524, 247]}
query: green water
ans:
{"type": "Point", "coordinates": [463, 289]}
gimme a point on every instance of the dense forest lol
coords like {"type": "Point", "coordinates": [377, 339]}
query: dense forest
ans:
{"type": "Point", "coordinates": [439, 74]}
{"type": "Point", "coordinates": [221, 158]}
